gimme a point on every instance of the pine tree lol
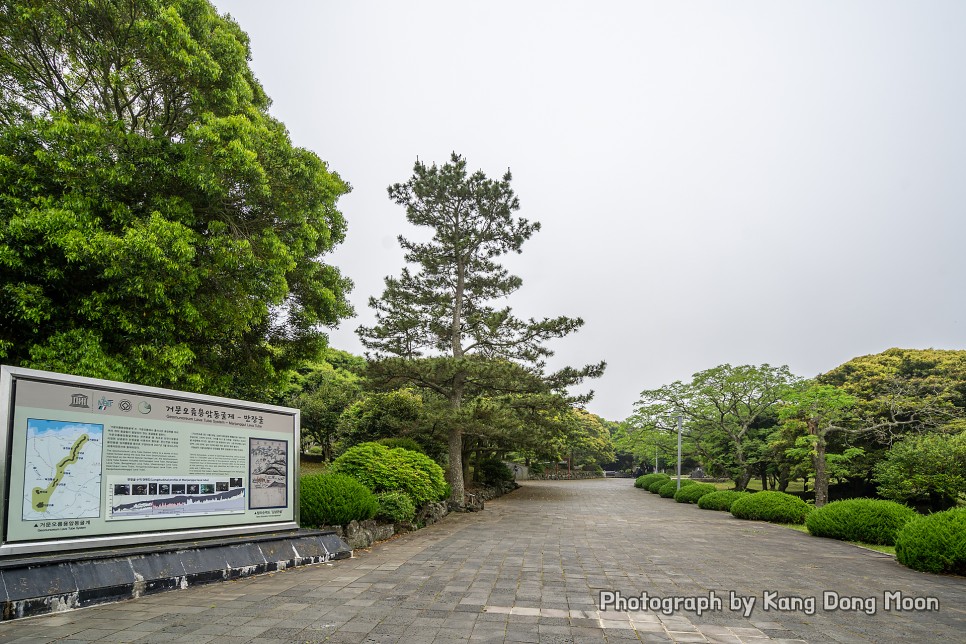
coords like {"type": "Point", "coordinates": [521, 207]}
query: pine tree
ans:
{"type": "Point", "coordinates": [439, 327]}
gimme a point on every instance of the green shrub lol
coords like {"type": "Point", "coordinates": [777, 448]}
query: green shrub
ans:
{"type": "Point", "coordinates": [934, 543]}
{"type": "Point", "coordinates": [776, 507]}
{"type": "Point", "coordinates": [668, 489]}
{"type": "Point", "coordinates": [395, 506]}
{"type": "Point", "coordinates": [655, 487]}
{"type": "Point", "coordinates": [384, 469]}
{"type": "Point", "coordinates": [402, 441]}
{"type": "Point", "coordinates": [334, 499]}
{"type": "Point", "coordinates": [866, 520]}
{"type": "Point", "coordinates": [720, 500]}
{"type": "Point", "coordinates": [645, 480]}
{"type": "Point", "coordinates": [692, 493]}
{"type": "Point", "coordinates": [493, 472]}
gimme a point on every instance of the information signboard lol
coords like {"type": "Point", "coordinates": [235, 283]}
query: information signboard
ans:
{"type": "Point", "coordinates": [92, 463]}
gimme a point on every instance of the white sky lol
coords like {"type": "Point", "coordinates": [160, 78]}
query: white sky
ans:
{"type": "Point", "coordinates": [740, 182]}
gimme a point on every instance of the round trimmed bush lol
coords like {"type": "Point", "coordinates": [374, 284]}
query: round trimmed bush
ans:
{"type": "Point", "coordinates": [934, 543]}
{"type": "Point", "coordinates": [775, 507]}
{"type": "Point", "coordinates": [334, 499]}
{"type": "Point", "coordinates": [720, 500]}
{"type": "Point", "coordinates": [395, 506]}
{"type": "Point", "coordinates": [670, 488]}
{"type": "Point", "coordinates": [655, 487]}
{"type": "Point", "coordinates": [644, 481]}
{"type": "Point", "coordinates": [866, 520]}
{"type": "Point", "coordinates": [691, 493]}
{"type": "Point", "coordinates": [384, 469]}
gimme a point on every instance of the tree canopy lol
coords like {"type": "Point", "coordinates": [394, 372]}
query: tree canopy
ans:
{"type": "Point", "coordinates": [157, 225]}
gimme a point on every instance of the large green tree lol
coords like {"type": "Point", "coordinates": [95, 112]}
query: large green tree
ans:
{"type": "Point", "coordinates": [157, 225]}
{"type": "Point", "coordinates": [440, 325]}
{"type": "Point", "coordinates": [726, 407]}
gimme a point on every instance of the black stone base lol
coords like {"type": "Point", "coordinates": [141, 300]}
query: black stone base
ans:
{"type": "Point", "coordinates": [52, 583]}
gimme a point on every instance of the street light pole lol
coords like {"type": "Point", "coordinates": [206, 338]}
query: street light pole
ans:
{"type": "Point", "coordinates": [679, 451]}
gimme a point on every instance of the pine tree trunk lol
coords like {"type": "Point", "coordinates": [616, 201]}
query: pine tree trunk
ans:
{"type": "Point", "coordinates": [454, 473]}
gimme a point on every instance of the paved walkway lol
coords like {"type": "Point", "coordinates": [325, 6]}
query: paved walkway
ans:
{"type": "Point", "coordinates": [531, 567]}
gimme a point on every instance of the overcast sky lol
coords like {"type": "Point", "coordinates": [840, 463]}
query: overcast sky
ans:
{"type": "Point", "coordinates": [739, 182]}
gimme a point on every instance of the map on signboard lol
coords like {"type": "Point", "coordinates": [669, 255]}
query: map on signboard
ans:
{"type": "Point", "coordinates": [62, 470]}
{"type": "Point", "coordinates": [268, 473]}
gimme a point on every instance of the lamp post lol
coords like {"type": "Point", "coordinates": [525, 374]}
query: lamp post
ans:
{"type": "Point", "coordinates": [679, 451]}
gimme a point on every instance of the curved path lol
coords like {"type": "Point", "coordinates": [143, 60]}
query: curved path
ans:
{"type": "Point", "coordinates": [531, 568]}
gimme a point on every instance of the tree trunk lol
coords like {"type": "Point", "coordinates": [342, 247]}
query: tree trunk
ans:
{"type": "Point", "coordinates": [783, 478]}
{"type": "Point", "coordinates": [821, 473]}
{"type": "Point", "coordinates": [454, 473]}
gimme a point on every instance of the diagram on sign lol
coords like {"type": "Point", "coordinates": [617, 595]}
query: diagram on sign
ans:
{"type": "Point", "coordinates": [268, 468]}
{"type": "Point", "coordinates": [62, 470]}
{"type": "Point", "coordinates": [165, 497]}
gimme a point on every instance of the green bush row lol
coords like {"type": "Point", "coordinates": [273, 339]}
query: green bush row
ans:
{"type": "Point", "coordinates": [667, 490]}
{"type": "Point", "coordinates": [644, 481]}
{"type": "Point", "coordinates": [866, 520]}
{"type": "Point", "coordinates": [720, 500]}
{"type": "Point", "coordinates": [933, 543]}
{"type": "Point", "coordinates": [692, 493]}
{"type": "Point", "coordinates": [655, 486]}
{"type": "Point", "coordinates": [775, 507]}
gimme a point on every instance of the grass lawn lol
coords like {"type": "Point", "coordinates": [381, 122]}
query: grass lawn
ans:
{"type": "Point", "coordinates": [755, 485]}
{"type": "Point", "coordinates": [308, 467]}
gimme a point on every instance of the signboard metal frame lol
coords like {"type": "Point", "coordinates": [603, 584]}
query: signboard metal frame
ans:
{"type": "Point", "coordinates": [9, 379]}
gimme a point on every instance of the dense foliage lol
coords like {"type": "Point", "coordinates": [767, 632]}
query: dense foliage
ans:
{"type": "Point", "coordinates": [493, 472]}
{"type": "Point", "coordinates": [775, 507]}
{"type": "Point", "coordinates": [395, 506]}
{"type": "Point", "coordinates": [927, 470]}
{"type": "Point", "coordinates": [865, 520]}
{"type": "Point", "coordinates": [934, 543]}
{"type": "Point", "coordinates": [693, 493]}
{"type": "Point", "coordinates": [384, 469]}
{"type": "Point", "coordinates": [157, 224]}
{"type": "Point", "coordinates": [334, 499]}
{"type": "Point", "coordinates": [720, 500]}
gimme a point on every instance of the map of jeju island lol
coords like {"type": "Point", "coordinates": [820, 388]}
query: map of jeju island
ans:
{"type": "Point", "coordinates": [62, 470]}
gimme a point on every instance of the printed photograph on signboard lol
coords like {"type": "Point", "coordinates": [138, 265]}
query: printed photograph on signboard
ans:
{"type": "Point", "coordinates": [141, 498]}
{"type": "Point", "coordinates": [62, 470]}
{"type": "Point", "coordinates": [268, 479]}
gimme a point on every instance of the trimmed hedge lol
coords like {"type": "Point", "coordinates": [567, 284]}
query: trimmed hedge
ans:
{"type": "Point", "coordinates": [692, 493]}
{"type": "Point", "coordinates": [384, 469]}
{"type": "Point", "coordinates": [866, 520]}
{"type": "Point", "coordinates": [720, 500]}
{"type": "Point", "coordinates": [395, 506]}
{"type": "Point", "coordinates": [656, 486]}
{"type": "Point", "coordinates": [934, 543]}
{"type": "Point", "coordinates": [775, 507]}
{"type": "Point", "coordinates": [644, 481]}
{"type": "Point", "coordinates": [668, 490]}
{"type": "Point", "coordinates": [334, 499]}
